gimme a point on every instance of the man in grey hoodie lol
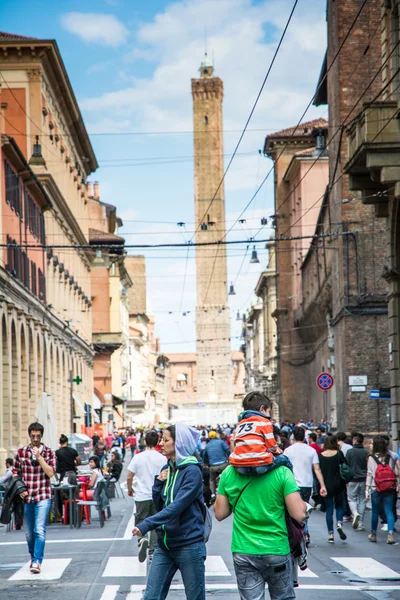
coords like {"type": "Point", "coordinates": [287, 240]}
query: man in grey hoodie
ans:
{"type": "Point", "coordinates": [357, 459]}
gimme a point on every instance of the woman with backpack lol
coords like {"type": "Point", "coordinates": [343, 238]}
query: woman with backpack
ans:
{"type": "Point", "coordinates": [381, 485]}
{"type": "Point", "coordinates": [179, 524]}
{"type": "Point", "coordinates": [330, 461]}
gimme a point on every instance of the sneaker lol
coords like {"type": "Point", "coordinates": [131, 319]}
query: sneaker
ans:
{"type": "Point", "coordinates": [390, 539]}
{"type": "Point", "coordinates": [360, 527]}
{"type": "Point", "coordinates": [295, 584]}
{"type": "Point", "coordinates": [35, 568]}
{"type": "Point", "coordinates": [331, 539]}
{"type": "Point", "coordinates": [356, 520]}
{"type": "Point", "coordinates": [346, 519]}
{"type": "Point", "coordinates": [143, 547]}
{"type": "Point", "coordinates": [372, 537]}
{"type": "Point", "coordinates": [384, 527]}
{"type": "Point", "coordinates": [341, 533]}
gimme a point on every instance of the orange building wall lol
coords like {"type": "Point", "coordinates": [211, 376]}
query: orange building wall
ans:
{"type": "Point", "coordinates": [100, 299]}
{"type": "Point", "coordinates": [18, 229]}
{"type": "Point", "coordinates": [15, 113]}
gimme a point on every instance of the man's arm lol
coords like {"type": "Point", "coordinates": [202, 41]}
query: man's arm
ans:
{"type": "Point", "coordinates": [48, 468]}
{"type": "Point", "coordinates": [78, 459]}
{"type": "Point", "coordinates": [319, 476]}
{"type": "Point", "coordinates": [222, 508]}
{"type": "Point", "coordinates": [129, 482]}
{"type": "Point", "coordinates": [296, 506]}
{"type": "Point", "coordinates": [4, 479]}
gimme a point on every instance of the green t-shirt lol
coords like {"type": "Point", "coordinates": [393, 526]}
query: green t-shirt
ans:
{"type": "Point", "coordinates": [259, 525]}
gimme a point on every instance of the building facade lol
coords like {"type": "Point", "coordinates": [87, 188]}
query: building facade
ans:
{"type": "Point", "coordinates": [260, 336]}
{"type": "Point", "coordinates": [46, 317]}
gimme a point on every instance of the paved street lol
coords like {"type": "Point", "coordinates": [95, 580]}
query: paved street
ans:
{"type": "Point", "coordinates": [101, 564]}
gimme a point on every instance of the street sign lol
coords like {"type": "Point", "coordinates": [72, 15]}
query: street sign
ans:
{"type": "Point", "coordinates": [358, 388]}
{"type": "Point", "coordinates": [381, 394]}
{"type": "Point", "coordinates": [358, 380]}
{"type": "Point", "coordinates": [325, 381]}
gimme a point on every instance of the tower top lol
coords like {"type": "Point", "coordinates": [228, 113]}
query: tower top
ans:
{"type": "Point", "coordinates": [206, 68]}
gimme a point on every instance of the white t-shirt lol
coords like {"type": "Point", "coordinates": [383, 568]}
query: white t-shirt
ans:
{"type": "Point", "coordinates": [345, 448]}
{"type": "Point", "coordinates": [302, 457]}
{"type": "Point", "coordinates": [145, 466]}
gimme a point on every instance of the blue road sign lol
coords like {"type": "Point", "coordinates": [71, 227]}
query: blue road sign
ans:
{"type": "Point", "coordinates": [374, 394]}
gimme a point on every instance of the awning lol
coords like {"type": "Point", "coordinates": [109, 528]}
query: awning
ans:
{"type": "Point", "coordinates": [117, 401]}
{"type": "Point", "coordinates": [78, 402]}
{"type": "Point", "coordinates": [97, 405]}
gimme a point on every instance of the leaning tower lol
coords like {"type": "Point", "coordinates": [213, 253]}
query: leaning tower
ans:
{"type": "Point", "coordinates": [214, 365]}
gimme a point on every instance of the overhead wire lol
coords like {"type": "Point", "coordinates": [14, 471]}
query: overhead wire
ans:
{"type": "Point", "coordinates": [252, 110]}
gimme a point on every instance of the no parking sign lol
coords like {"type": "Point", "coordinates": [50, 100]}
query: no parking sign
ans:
{"type": "Point", "coordinates": [325, 381]}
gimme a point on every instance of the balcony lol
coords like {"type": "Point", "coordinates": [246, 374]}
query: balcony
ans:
{"type": "Point", "coordinates": [107, 341]}
{"type": "Point", "coordinates": [374, 147]}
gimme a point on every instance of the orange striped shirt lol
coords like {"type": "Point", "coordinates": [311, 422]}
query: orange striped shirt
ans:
{"type": "Point", "coordinates": [254, 443]}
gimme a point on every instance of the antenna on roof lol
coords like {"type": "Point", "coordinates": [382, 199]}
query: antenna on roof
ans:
{"type": "Point", "coordinates": [205, 40]}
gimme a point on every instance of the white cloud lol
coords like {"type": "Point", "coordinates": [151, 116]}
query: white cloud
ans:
{"type": "Point", "coordinates": [96, 28]}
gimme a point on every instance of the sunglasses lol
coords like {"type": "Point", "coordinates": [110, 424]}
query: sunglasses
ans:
{"type": "Point", "coordinates": [35, 437]}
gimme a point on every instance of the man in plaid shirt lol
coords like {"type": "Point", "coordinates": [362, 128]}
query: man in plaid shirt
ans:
{"type": "Point", "coordinates": [35, 464]}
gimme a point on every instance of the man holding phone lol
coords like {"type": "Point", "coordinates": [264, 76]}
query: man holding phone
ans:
{"type": "Point", "coordinates": [35, 464]}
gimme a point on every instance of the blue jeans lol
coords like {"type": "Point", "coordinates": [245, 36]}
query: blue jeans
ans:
{"type": "Point", "coordinates": [35, 521]}
{"type": "Point", "coordinates": [337, 501]}
{"type": "Point", "coordinates": [387, 501]}
{"type": "Point", "coordinates": [189, 560]}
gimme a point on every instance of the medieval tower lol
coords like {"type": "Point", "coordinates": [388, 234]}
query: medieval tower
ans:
{"type": "Point", "coordinates": [214, 363]}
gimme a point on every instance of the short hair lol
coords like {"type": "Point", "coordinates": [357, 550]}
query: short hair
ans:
{"type": "Point", "coordinates": [96, 461]}
{"type": "Point", "coordinates": [321, 428]}
{"type": "Point", "coordinates": [151, 439]}
{"type": "Point", "coordinates": [255, 400]}
{"type": "Point", "coordinates": [284, 434]}
{"type": "Point", "coordinates": [10, 462]}
{"type": "Point", "coordinates": [299, 434]}
{"type": "Point", "coordinates": [35, 427]}
{"type": "Point", "coordinates": [172, 430]}
{"type": "Point", "coordinates": [312, 436]}
{"type": "Point", "coordinates": [379, 445]}
{"type": "Point", "coordinates": [331, 443]}
{"type": "Point", "coordinates": [341, 436]}
{"type": "Point", "coordinates": [358, 438]}
{"type": "Point", "coordinates": [63, 439]}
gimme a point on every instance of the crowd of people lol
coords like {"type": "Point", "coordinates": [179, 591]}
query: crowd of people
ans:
{"type": "Point", "coordinates": [269, 476]}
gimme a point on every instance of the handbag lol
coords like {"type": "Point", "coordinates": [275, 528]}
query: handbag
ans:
{"type": "Point", "coordinates": [346, 472]}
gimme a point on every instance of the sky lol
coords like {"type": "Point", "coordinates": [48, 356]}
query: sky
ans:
{"type": "Point", "coordinates": [130, 63]}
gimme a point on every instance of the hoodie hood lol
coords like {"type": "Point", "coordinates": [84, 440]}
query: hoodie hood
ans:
{"type": "Point", "coordinates": [246, 414]}
{"type": "Point", "coordinates": [186, 440]}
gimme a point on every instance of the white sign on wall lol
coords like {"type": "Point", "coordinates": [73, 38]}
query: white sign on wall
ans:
{"type": "Point", "coordinates": [355, 380]}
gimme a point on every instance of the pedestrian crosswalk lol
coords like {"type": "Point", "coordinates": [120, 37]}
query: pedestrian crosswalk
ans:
{"type": "Point", "coordinates": [126, 567]}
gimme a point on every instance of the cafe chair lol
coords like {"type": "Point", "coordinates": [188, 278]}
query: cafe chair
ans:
{"type": "Point", "coordinates": [100, 502]}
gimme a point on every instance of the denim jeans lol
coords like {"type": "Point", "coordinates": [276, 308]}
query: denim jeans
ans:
{"type": "Point", "coordinates": [331, 502]}
{"type": "Point", "coordinates": [189, 560]}
{"type": "Point", "coordinates": [356, 498]}
{"type": "Point", "coordinates": [253, 571]}
{"type": "Point", "coordinates": [35, 521]}
{"type": "Point", "coordinates": [387, 500]}
{"type": "Point", "coordinates": [305, 493]}
{"type": "Point", "coordinates": [279, 460]}
{"type": "Point", "coordinates": [102, 460]}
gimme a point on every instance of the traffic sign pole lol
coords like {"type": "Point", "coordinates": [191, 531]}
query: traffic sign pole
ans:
{"type": "Point", "coordinates": [325, 382]}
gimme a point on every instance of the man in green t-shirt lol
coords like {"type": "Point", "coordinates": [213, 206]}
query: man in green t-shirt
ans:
{"type": "Point", "coordinates": [260, 545]}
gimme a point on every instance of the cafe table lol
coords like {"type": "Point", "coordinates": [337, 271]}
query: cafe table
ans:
{"type": "Point", "coordinates": [57, 489]}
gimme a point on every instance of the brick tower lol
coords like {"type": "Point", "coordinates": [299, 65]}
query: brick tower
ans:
{"type": "Point", "coordinates": [214, 364]}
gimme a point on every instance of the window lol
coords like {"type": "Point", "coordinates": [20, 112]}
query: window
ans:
{"type": "Point", "coordinates": [42, 286]}
{"type": "Point", "coordinates": [25, 270]}
{"type": "Point", "coordinates": [34, 219]}
{"type": "Point", "coordinates": [13, 192]}
{"type": "Point", "coordinates": [34, 278]}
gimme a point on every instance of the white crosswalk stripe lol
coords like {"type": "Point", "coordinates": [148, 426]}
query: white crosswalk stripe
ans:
{"type": "Point", "coordinates": [365, 567]}
{"type": "Point", "coordinates": [52, 569]}
{"type": "Point", "coordinates": [129, 566]}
